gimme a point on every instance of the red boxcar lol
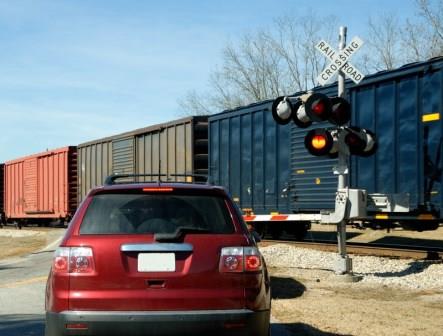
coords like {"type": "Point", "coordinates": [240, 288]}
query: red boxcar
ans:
{"type": "Point", "coordinates": [2, 213]}
{"type": "Point", "coordinates": [41, 187]}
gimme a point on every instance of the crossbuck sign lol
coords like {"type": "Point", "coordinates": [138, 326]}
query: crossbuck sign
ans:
{"type": "Point", "coordinates": [339, 61]}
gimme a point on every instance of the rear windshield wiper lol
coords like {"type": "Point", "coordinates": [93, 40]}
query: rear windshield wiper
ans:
{"type": "Point", "coordinates": [179, 233]}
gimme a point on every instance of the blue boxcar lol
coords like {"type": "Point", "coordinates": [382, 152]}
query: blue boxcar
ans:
{"type": "Point", "coordinates": [267, 169]}
{"type": "Point", "coordinates": [249, 155]}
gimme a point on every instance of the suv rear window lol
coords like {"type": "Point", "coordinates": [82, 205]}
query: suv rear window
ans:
{"type": "Point", "coordinates": [151, 213]}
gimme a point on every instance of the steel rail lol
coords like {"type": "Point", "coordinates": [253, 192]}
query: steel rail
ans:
{"type": "Point", "coordinates": [369, 249]}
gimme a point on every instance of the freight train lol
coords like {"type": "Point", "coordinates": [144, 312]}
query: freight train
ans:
{"type": "Point", "coordinates": [48, 186]}
{"type": "Point", "coordinates": [2, 189]}
{"type": "Point", "coordinates": [269, 172]}
{"type": "Point", "coordinates": [40, 187]}
{"type": "Point", "coordinates": [264, 165]}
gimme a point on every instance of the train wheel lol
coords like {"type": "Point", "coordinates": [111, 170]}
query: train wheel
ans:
{"type": "Point", "coordinates": [261, 230]}
{"type": "Point", "coordinates": [300, 233]}
{"type": "Point", "coordinates": [430, 225]}
{"type": "Point", "coordinates": [424, 225]}
{"type": "Point", "coordinates": [275, 231]}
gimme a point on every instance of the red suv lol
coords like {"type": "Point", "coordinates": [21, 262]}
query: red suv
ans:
{"type": "Point", "coordinates": [157, 259]}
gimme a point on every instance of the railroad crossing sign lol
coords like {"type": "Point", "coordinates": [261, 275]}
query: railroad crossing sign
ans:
{"type": "Point", "coordinates": [339, 61]}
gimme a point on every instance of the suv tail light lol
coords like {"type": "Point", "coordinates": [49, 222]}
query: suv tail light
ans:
{"type": "Point", "coordinates": [78, 260]}
{"type": "Point", "coordinates": [240, 259]}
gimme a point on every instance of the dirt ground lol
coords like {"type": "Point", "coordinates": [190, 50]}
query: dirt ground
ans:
{"type": "Point", "coordinates": [319, 303]}
{"type": "Point", "coordinates": [315, 303]}
{"type": "Point", "coordinates": [16, 243]}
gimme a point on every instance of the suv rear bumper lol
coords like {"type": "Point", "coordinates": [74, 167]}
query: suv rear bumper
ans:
{"type": "Point", "coordinates": [214, 322]}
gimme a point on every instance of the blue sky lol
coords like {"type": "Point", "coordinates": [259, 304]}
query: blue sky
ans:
{"type": "Point", "coordinates": [74, 71]}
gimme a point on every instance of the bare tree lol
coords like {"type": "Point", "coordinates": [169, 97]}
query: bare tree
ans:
{"type": "Point", "coordinates": [392, 43]}
{"type": "Point", "coordinates": [412, 41]}
{"type": "Point", "coordinates": [251, 68]}
{"type": "Point", "coordinates": [265, 65]}
{"type": "Point", "coordinates": [383, 39]}
{"type": "Point", "coordinates": [432, 12]}
{"type": "Point", "coordinates": [295, 42]}
{"type": "Point", "coordinates": [196, 103]}
{"type": "Point", "coordinates": [284, 60]}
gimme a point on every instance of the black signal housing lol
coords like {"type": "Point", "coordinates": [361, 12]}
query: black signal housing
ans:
{"type": "Point", "coordinates": [283, 109]}
{"type": "Point", "coordinates": [319, 142]}
{"type": "Point", "coordinates": [318, 107]}
{"type": "Point", "coordinates": [341, 111]}
{"type": "Point", "coordinates": [360, 141]}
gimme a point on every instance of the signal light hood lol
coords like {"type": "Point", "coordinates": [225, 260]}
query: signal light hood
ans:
{"type": "Point", "coordinates": [282, 110]}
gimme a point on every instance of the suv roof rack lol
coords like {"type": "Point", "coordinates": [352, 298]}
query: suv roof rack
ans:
{"type": "Point", "coordinates": [111, 179]}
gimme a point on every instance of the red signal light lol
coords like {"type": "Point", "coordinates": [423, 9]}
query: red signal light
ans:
{"type": "Point", "coordinates": [341, 111]}
{"type": "Point", "coordinates": [309, 108]}
{"type": "Point", "coordinates": [320, 142]}
{"type": "Point", "coordinates": [354, 142]}
{"type": "Point", "coordinates": [318, 107]}
{"type": "Point", "coordinates": [360, 141]}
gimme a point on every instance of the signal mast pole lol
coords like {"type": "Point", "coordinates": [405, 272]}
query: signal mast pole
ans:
{"type": "Point", "coordinates": [342, 157]}
{"type": "Point", "coordinates": [317, 107]}
{"type": "Point", "coordinates": [344, 264]}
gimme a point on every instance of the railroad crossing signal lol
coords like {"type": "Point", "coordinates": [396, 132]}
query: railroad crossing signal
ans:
{"type": "Point", "coordinates": [348, 140]}
{"type": "Point", "coordinates": [309, 108]}
{"type": "Point", "coordinates": [317, 107]}
{"type": "Point", "coordinates": [339, 141]}
{"type": "Point", "coordinates": [339, 61]}
{"type": "Point", "coordinates": [320, 141]}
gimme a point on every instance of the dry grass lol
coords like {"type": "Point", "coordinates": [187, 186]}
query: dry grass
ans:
{"type": "Point", "coordinates": [18, 246]}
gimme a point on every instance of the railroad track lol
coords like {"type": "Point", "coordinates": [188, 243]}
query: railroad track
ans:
{"type": "Point", "coordinates": [369, 249]}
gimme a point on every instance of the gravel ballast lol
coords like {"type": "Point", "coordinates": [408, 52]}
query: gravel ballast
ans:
{"type": "Point", "coordinates": [394, 297]}
{"type": "Point", "coordinates": [407, 273]}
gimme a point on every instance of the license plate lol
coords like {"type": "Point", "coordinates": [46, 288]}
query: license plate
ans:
{"type": "Point", "coordinates": [156, 262]}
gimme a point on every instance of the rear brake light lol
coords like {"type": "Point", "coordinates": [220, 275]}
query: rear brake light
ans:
{"type": "Point", "coordinates": [81, 260]}
{"type": "Point", "coordinates": [76, 326]}
{"type": "Point", "coordinates": [240, 259]}
{"type": "Point", "coordinates": [77, 260]}
{"type": "Point", "coordinates": [158, 189]}
{"type": "Point", "coordinates": [61, 260]}
{"type": "Point", "coordinates": [252, 263]}
{"type": "Point", "coordinates": [231, 259]}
